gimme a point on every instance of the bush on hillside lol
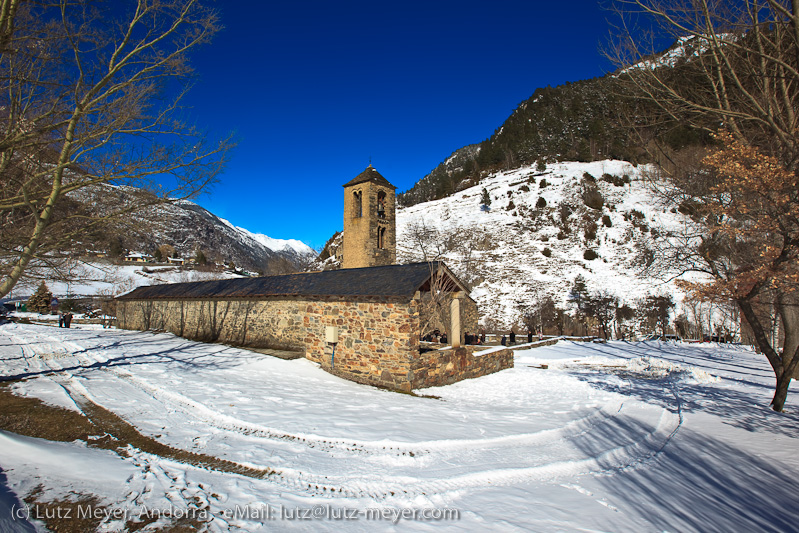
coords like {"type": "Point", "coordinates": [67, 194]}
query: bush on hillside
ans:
{"type": "Point", "coordinates": [593, 198]}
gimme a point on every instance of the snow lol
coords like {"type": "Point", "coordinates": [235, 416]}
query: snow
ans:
{"type": "Point", "coordinates": [102, 278]}
{"type": "Point", "coordinates": [648, 436]}
{"type": "Point", "coordinates": [691, 46]}
{"type": "Point", "coordinates": [499, 252]}
{"type": "Point", "coordinates": [273, 244]}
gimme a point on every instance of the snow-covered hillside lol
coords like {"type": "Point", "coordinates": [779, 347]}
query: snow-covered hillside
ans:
{"type": "Point", "coordinates": [105, 279]}
{"type": "Point", "coordinates": [519, 249]}
{"type": "Point", "coordinates": [188, 227]}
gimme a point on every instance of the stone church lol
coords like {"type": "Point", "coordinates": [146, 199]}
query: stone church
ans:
{"type": "Point", "coordinates": [363, 322]}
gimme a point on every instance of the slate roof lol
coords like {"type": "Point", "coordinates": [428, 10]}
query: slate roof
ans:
{"type": "Point", "coordinates": [370, 174]}
{"type": "Point", "coordinates": [393, 280]}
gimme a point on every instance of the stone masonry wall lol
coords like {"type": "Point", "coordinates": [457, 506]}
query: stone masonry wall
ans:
{"type": "Point", "coordinates": [444, 367]}
{"type": "Point", "coordinates": [378, 337]}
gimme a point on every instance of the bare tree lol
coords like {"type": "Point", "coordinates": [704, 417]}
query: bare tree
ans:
{"type": "Point", "coordinates": [91, 125]}
{"type": "Point", "coordinates": [429, 245]}
{"type": "Point", "coordinates": [734, 65]}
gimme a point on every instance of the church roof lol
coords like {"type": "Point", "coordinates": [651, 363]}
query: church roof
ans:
{"type": "Point", "coordinates": [370, 174]}
{"type": "Point", "coordinates": [393, 281]}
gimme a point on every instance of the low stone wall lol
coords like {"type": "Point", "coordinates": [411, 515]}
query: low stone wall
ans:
{"type": "Point", "coordinates": [444, 367]}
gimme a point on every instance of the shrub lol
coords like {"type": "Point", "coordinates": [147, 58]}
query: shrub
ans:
{"type": "Point", "coordinates": [541, 203]}
{"type": "Point", "coordinates": [546, 252]}
{"type": "Point", "coordinates": [524, 188]}
{"type": "Point", "coordinates": [485, 198]}
{"type": "Point", "coordinates": [593, 198]}
{"type": "Point", "coordinates": [616, 180]}
{"type": "Point", "coordinates": [540, 165]}
{"type": "Point", "coordinates": [590, 231]}
{"type": "Point", "coordinates": [565, 211]}
{"type": "Point", "coordinates": [40, 301]}
{"type": "Point", "coordinates": [588, 177]}
{"type": "Point", "coordinates": [511, 205]}
{"type": "Point", "coordinates": [590, 255]}
{"type": "Point", "coordinates": [606, 221]}
{"type": "Point", "coordinates": [543, 183]}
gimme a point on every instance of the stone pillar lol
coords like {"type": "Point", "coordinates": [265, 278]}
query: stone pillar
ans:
{"type": "Point", "coordinates": [455, 317]}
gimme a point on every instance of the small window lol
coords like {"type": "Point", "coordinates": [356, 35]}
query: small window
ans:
{"type": "Point", "coordinates": [381, 204]}
{"type": "Point", "coordinates": [381, 238]}
{"type": "Point", "coordinates": [358, 204]}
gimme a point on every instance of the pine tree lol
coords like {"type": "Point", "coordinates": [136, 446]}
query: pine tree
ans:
{"type": "Point", "coordinates": [40, 301]}
{"type": "Point", "coordinates": [485, 199]}
{"type": "Point", "coordinates": [199, 258]}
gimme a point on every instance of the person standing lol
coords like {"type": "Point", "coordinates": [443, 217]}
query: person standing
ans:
{"type": "Point", "coordinates": [512, 337]}
{"type": "Point", "coordinates": [529, 335]}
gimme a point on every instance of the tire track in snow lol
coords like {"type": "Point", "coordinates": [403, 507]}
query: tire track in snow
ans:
{"type": "Point", "coordinates": [228, 423]}
{"type": "Point", "coordinates": [610, 419]}
{"type": "Point", "coordinates": [624, 456]}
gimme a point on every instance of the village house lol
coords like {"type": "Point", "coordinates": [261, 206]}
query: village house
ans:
{"type": "Point", "coordinates": [137, 257]}
{"type": "Point", "coordinates": [363, 322]}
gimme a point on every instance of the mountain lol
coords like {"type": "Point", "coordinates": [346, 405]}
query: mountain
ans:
{"type": "Point", "coordinates": [589, 120]}
{"type": "Point", "coordinates": [188, 227]}
{"type": "Point", "coordinates": [581, 121]}
{"type": "Point", "coordinates": [541, 231]}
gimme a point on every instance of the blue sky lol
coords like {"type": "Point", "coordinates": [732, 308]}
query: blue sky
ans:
{"type": "Point", "coordinates": [312, 90]}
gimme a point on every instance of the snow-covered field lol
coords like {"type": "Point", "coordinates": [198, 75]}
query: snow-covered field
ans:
{"type": "Point", "coordinates": [612, 437]}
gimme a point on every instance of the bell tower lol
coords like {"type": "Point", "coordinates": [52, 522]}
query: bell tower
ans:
{"type": "Point", "coordinates": [370, 236]}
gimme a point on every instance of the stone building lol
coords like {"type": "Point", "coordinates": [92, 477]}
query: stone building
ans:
{"type": "Point", "coordinates": [374, 316]}
{"type": "Point", "coordinates": [363, 322]}
{"type": "Point", "coordinates": [370, 234]}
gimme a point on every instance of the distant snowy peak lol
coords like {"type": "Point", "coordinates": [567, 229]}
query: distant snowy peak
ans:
{"type": "Point", "coordinates": [276, 245]}
{"type": "Point", "coordinates": [280, 244]}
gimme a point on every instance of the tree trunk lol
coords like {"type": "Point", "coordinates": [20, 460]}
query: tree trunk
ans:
{"type": "Point", "coordinates": [788, 309]}
{"type": "Point", "coordinates": [784, 381]}
{"type": "Point", "coordinates": [759, 332]}
{"type": "Point", "coordinates": [781, 393]}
